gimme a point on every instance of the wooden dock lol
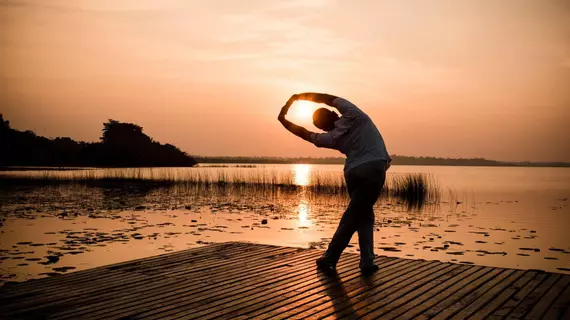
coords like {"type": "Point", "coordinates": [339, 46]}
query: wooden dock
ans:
{"type": "Point", "coordinates": [244, 281]}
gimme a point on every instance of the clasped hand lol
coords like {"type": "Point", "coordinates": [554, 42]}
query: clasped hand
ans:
{"type": "Point", "coordinates": [286, 107]}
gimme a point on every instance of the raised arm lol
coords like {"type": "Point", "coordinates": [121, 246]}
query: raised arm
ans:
{"type": "Point", "coordinates": [293, 128]}
{"type": "Point", "coordinates": [317, 97]}
{"type": "Point", "coordinates": [345, 107]}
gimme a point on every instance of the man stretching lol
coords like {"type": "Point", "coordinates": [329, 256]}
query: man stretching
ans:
{"type": "Point", "coordinates": [355, 135]}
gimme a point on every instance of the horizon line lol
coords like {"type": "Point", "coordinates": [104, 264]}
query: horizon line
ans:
{"type": "Point", "coordinates": [392, 155]}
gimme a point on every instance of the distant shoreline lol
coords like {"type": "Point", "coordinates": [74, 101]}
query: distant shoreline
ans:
{"type": "Point", "coordinates": [38, 168]}
{"type": "Point", "coordinates": [397, 160]}
{"type": "Point", "coordinates": [125, 145]}
{"type": "Point", "coordinates": [248, 162]}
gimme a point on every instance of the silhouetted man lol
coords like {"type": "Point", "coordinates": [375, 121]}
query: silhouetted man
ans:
{"type": "Point", "coordinates": [355, 135]}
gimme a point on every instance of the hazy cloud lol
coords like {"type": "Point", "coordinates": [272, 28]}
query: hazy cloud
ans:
{"type": "Point", "coordinates": [435, 65]}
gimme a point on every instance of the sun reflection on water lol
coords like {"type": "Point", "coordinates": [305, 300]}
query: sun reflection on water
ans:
{"type": "Point", "coordinates": [304, 211]}
{"type": "Point", "coordinates": [302, 174]}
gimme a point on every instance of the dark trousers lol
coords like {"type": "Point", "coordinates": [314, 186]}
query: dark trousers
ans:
{"type": "Point", "coordinates": [364, 184]}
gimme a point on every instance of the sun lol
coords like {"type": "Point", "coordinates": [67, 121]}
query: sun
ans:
{"type": "Point", "coordinates": [303, 110]}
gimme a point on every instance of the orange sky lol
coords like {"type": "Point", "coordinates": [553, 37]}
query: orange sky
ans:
{"type": "Point", "coordinates": [469, 78]}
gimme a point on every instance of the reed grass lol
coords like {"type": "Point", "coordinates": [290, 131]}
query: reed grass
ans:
{"type": "Point", "coordinates": [415, 188]}
{"type": "Point", "coordinates": [226, 166]}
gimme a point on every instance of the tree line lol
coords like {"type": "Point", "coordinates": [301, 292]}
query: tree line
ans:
{"type": "Point", "coordinates": [396, 160]}
{"type": "Point", "coordinates": [125, 145]}
{"type": "Point", "coordinates": [121, 145]}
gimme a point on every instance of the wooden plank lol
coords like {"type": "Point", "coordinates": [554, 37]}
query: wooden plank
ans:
{"type": "Point", "coordinates": [436, 291]}
{"type": "Point", "coordinates": [373, 308]}
{"type": "Point", "coordinates": [62, 282]}
{"type": "Point", "coordinates": [380, 289]}
{"type": "Point", "coordinates": [498, 301]}
{"type": "Point", "coordinates": [459, 294]}
{"type": "Point", "coordinates": [34, 299]}
{"type": "Point", "coordinates": [181, 269]}
{"type": "Point", "coordinates": [242, 288]}
{"type": "Point", "coordinates": [566, 315]}
{"type": "Point", "coordinates": [164, 292]}
{"type": "Point", "coordinates": [186, 255]}
{"type": "Point", "coordinates": [323, 296]}
{"type": "Point", "coordinates": [90, 290]}
{"type": "Point", "coordinates": [194, 259]}
{"type": "Point", "coordinates": [456, 289]}
{"type": "Point", "coordinates": [247, 291]}
{"type": "Point", "coordinates": [240, 280]}
{"type": "Point", "coordinates": [543, 305]}
{"type": "Point", "coordinates": [91, 294]}
{"type": "Point", "coordinates": [235, 308]}
{"type": "Point", "coordinates": [75, 302]}
{"type": "Point", "coordinates": [514, 300]}
{"type": "Point", "coordinates": [437, 280]}
{"type": "Point", "coordinates": [530, 300]}
{"type": "Point", "coordinates": [562, 304]}
{"type": "Point", "coordinates": [485, 297]}
{"type": "Point", "coordinates": [303, 293]}
{"type": "Point", "coordinates": [477, 291]}
{"type": "Point", "coordinates": [168, 293]}
{"type": "Point", "coordinates": [387, 292]}
{"type": "Point", "coordinates": [306, 297]}
{"type": "Point", "coordinates": [50, 281]}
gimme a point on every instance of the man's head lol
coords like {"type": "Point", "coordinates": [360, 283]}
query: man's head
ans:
{"type": "Point", "coordinates": [324, 119]}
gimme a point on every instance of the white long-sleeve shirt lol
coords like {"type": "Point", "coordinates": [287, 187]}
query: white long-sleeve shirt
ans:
{"type": "Point", "coordinates": [355, 135]}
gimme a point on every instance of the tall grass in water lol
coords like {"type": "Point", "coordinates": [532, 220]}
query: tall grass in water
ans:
{"type": "Point", "coordinates": [412, 188]}
{"type": "Point", "coordinates": [416, 189]}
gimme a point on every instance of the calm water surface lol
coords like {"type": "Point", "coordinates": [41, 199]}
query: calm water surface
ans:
{"type": "Point", "coordinates": [507, 217]}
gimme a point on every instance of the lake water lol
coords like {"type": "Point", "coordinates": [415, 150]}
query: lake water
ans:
{"type": "Point", "coordinates": [494, 216]}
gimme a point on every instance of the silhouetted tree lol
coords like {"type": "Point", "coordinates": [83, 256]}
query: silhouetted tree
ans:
{"type": "Point", "coordinates": [120, 134]}
{"type": "Point", "coordinates": [4, 124]}
{"type": "Point", "coordinates": [122, 144]}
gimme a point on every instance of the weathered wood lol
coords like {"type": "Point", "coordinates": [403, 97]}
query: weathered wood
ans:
{"type": "Point", "coordinates": [566, 315]}
{"type": "Point", "coordinates": [562, 304]}
{"type": "Point", "coordinates": [529, 301]}
{"type": "Point", "coordinates": [96, 290]}
{"type": "Point", "coordinates": [89, 296]}
{"type": "Point", "coordinates": [382, 289]}
{"type": "Point", "coordinates": [102, 274]}
{"type": "Point", "coordinates": [245, 281]}
{"type": "Point", "coordinates": [307, 299]}
{"type": "Point", "coordinates": [512, 303]}
{"type": "Point", "coordinates": [498, 301]}
{"type": "Point", "coordinates": [486, 293]}
{"type": "Point", "coordinates": [543, 305]}
{"type": "Point", "coordinates": [259, 294]}
{"type": "Point", "coordinates": [204, 304]}
{"type": "Point", "coordinates": [463, 292]}
{"type": "Point", "coordinates": [438, 296]}
{"type": "Point", "coordinates": [84, 274]}
{"type": "Point", "coordinates": [386, 292]}
{"type": "Point", "coordinates": [475, 290]}
{"type": "Point", "coordinates": [157, 295]}
{"type": "Point", "coordinates": [423, 297]}
{"type": "Point", "coordinates": [438, 280]}
{"type": "Point", "coordinates": [339, 291]}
